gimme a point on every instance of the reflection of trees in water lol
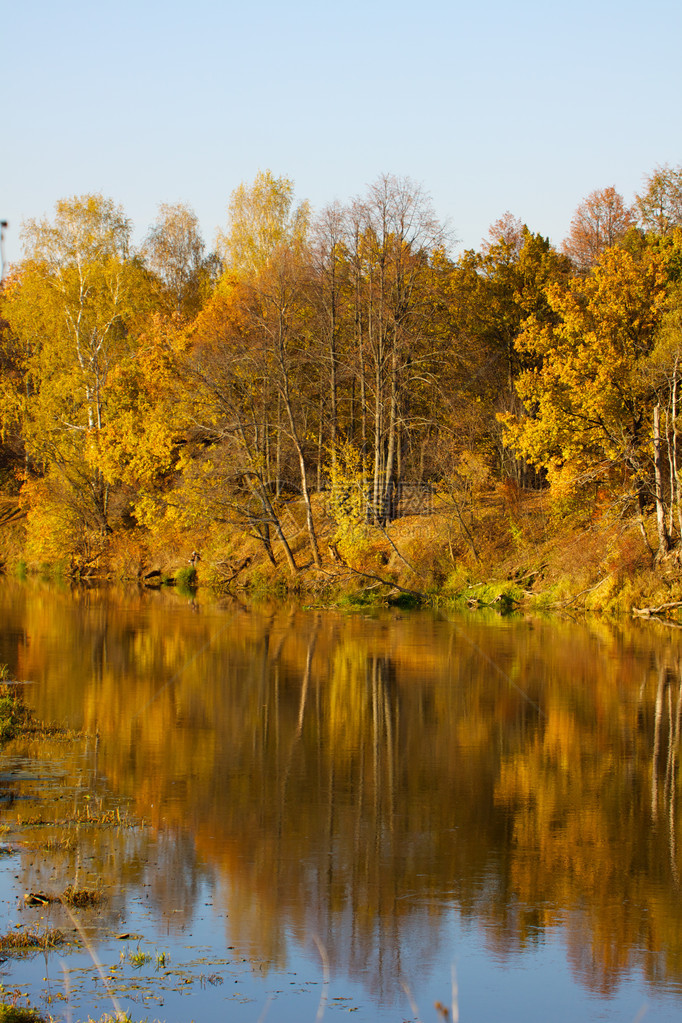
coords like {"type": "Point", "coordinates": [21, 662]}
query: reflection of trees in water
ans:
{"type": "Point", "coordinates": [173, 877]}
{"type": "Point", "coordinates": [302, 810]}
{"type": "Point", "coordinates": [593, 800]}
{"type": "Point", "coordinates": [666, 744]}
{"type": "Point", "coordinates": [366, 815]}
{"type": "Point", "coordinates": [353, 779]}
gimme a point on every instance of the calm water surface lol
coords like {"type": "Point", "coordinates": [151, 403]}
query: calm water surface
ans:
{"type": "Point", "coordinates": [345, 812]}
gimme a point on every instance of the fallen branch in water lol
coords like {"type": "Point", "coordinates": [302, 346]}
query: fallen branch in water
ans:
{"type": "Point", "coordinates": [501, 598]}
{"type": "Point", "coordinates": [648, 612]}
{"type": "Point", "coordinates": [664, 621]}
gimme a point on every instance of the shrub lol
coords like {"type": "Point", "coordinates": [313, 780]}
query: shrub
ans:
{"type": "Point", "coordinates": [186, 579]}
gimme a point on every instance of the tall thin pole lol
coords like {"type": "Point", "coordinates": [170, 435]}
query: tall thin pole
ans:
{"type": "Point", "coordinates": [3, 225]}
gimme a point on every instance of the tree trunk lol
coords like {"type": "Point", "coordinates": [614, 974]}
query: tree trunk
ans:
{"type": "Point", "coordinates": [388, 489]}
{"type": "Point", "coordinates": [676, 476]}
{"type": "Point", "coordinates": [663, 535]}
{"type": "Point", "coordinates": [286, 396]}
{"type": "Point", "coordinates": [274, 519]}
{"type": "Point", "coordinates": [320, 443]}
{"type": "Point", "coordinates": [278, 451]}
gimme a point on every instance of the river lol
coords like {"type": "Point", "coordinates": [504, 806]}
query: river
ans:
{"type": "Point", "coordinates": [304, 812]}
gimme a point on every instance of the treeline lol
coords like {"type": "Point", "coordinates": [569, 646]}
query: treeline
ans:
{"type": "Point", "coordinates": [346, 352]}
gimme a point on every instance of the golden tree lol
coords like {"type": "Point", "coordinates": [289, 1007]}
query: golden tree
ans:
{"type": "Point", "coordinates": [70, 310]}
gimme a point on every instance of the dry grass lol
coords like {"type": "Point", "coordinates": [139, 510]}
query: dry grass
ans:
{"type": "Point", "coordinates": [82, 897]}
{"type": "Point", "coordinates": [71, 896]}
{"type": "Point", "coordinates": [30, 941]}
{"type": "Point", "coordinates": [65, 843]}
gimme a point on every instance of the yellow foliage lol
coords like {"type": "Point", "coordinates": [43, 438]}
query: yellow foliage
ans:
{"type": "Point", "coordinates": [349, 479]}
{"type": "Point", "coordinates": [56, 528]}
{"type": "Point", "coordinates": [587, 399]}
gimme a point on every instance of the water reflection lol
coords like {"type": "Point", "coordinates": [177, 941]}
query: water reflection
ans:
{"type": "Point", "coordinates": [355, 778]}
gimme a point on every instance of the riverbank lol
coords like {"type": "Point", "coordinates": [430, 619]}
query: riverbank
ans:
{"type": "Point", "coordinates": [508, 548]}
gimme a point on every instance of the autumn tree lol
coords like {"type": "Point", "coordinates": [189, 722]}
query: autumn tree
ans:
{"type": "Point", "coordinates": [70, 308]}
{"type": "Point", "coordinates": [659, 207]}
{"type": "Point", "coordinates": [261, 218]}
{"type": "Point", "coordinates": [507, 230]}
{"type": "Point", "coordinates": [264, 356]}
{"type": "Point", "coordinates": [589, 405]}
{"type": "Point", "coordinates": [663, 373]}
{"type": "Point", "coordinates": [330, 291]}
{"type": "Point", "coordinates": [394, 236]}
{"type": "Point", "coordinates": [174, 252]}
{"type": "Point", "coordinates": [600, 221]}
{"type": "Point", "coordinates": [147, 421]}
{"type": "Point", "coordinates": [227, 467]}
{"type": "Point", "coordinates": [267, 243]}
{"type": "Point", "coordinates": [491, 294]}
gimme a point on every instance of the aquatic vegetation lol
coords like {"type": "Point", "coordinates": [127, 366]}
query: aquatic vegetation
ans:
{"type": "Point", "coordinates": [116, 1017]}
{"type": "Point", "coordinates": [71, 896]}
{"type": "Point", "coordinates": [19, 1014]}
{"type": "Point", "coordinates": [62, 843]}
{"type": "Point", "coordinates": [30, 941]}
{"type": "Point", "coordinates": [186, 579]}
{"type": "Point", "coordinates": [15, 717]}
{"type": "Point", "coordinates": [139, 958]}
{"type": "Point", "coordinates": [89, 815]}
{"type": "Point", "coordinates": [13, 714]}
{"type": "Point", "coordinates": [74, 896]}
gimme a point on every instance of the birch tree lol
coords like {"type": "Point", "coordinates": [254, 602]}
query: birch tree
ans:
{"type": "Point", "coordinates": [175, 252]}
{"type": "Point", "coordinates": [70, 308]}
{"type": "Point", "coordinates": [264, 252]}
{"type": "Point", "coordinates": [396, 236]}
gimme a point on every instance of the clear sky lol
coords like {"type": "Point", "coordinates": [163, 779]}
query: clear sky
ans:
{"type": "Point", "coordinates": [494, 106]}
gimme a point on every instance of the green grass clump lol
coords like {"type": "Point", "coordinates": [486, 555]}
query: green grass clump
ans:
{"type": "Point", "coordinates": [363, 598]}
{"type": "Point", "coordinates": [14, 714]}
{"type": "Point", "coordinates": [407, 601]}
{"type": "Point", "coordinates": [262, 585]}
{"type": "Point", "coordinates": [186, 579]}
{"type": "Point", "coordinates": [139, 958]}
{"type": "Point", "coordinates": [19, 1014]}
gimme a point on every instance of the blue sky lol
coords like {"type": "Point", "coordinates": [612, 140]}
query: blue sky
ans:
{"type": "Point", "coordinates": [491, 107]}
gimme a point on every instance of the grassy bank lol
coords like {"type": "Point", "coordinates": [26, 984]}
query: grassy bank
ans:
{"type": "Point", "coordinates": [503, 548]}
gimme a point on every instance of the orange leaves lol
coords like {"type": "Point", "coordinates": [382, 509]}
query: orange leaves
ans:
{"type": "Point", "coordinates": [601, 221]}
